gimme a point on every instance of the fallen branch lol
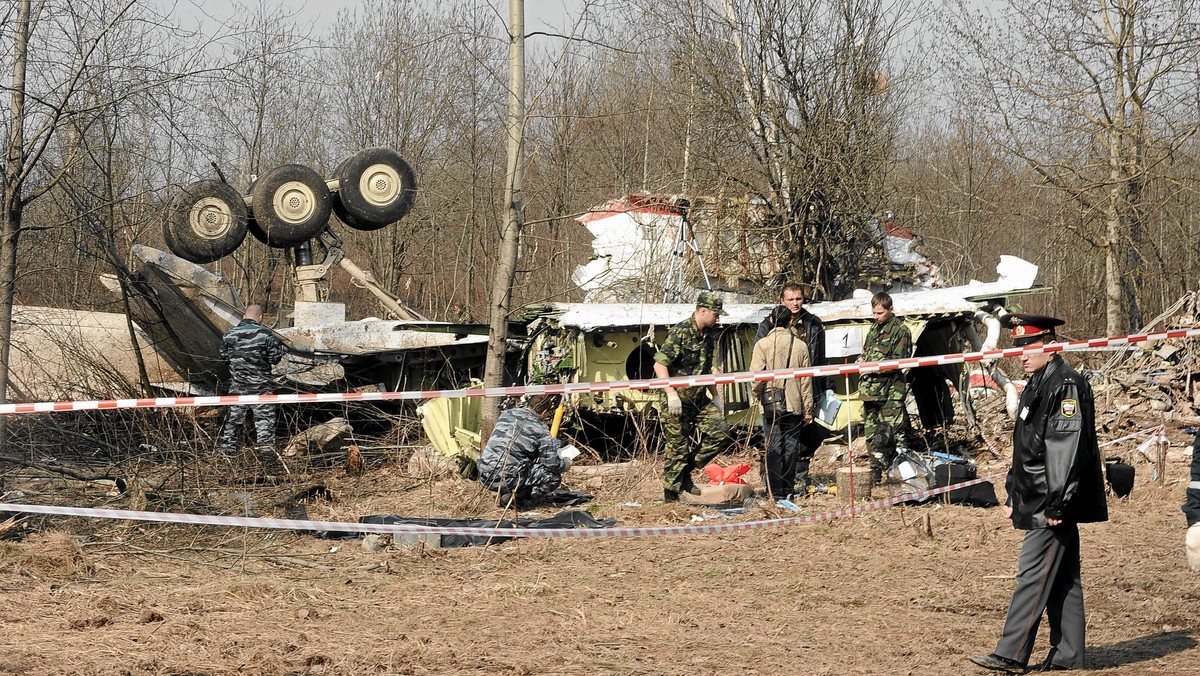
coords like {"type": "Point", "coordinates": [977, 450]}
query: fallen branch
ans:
{"type": "Point", "coordinates": [10, 524]}
{"type": "Point", "coordinates": [122, 486]}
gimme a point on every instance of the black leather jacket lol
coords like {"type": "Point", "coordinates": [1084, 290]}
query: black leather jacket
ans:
{"type": "Point", "coordinates": [814, 337]}
{"type": "Point", "coordinates": [1056, 470]}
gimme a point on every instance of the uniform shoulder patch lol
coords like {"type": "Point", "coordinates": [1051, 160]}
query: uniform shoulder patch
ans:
{"type": "Point", "coordinates": [1069, 408]}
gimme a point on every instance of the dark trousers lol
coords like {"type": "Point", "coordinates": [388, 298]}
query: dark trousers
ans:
{"type": "Point", "coordinates": [1047, 580]}
{"type": "Point", "coordinates": [787, 457]}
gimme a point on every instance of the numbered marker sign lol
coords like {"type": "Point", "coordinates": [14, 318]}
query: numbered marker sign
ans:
{"type": "Point", "coordinates": [843, 341]}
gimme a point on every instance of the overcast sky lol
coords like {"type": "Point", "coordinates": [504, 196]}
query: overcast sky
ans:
{"type": "Point", "coordinates": [540, 15]}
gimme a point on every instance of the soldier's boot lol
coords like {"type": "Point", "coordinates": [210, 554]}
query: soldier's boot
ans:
{"type": "Point", "coordinates": [876, 470]}
{"type": "Point", "coordinates": [268, 461]}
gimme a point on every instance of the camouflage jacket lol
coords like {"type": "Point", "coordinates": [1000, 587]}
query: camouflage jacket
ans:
{"type": "Point", "coordinates": [687, 352]}
{"type": "Point", "coordinates": [521, 454]}
{"type": "Point", "coordinates": [889, 340]}
{"type": "Point", "coordinates": [250, 349]}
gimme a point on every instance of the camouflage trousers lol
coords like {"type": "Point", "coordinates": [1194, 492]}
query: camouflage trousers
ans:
{"type": "Point", "coordinates": [264, 423]}
{"type": "Point", "coordinates": [691, 440]}
{"type": "Point", "coordinates": [884, 424]}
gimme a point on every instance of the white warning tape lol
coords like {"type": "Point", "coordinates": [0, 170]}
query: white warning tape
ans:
{"type": "Point", "coordinates": [635, 531]}
{"type": "Point", "coordinates": [609, 386]}
{"type": "Point", "coordinates": [336, 526]}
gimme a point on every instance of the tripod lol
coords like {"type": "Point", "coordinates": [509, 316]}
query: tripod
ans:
{"type": "Point", "coordinates": [685, 240]}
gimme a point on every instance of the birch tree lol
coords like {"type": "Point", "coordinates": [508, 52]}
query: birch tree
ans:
{"type": "Point", "coordinates": [799, 103]}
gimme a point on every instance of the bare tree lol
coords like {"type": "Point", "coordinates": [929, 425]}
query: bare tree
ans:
{"type": "Point", "coordinates": [793, 102]}
{"type": "Point", "coordinates": [65, 45]}
{"type": "Point", "coordinates": [1096, 97]}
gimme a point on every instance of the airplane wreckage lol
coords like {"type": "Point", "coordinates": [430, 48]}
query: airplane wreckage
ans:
{"type": "Point", "coordinates": [180, 310]}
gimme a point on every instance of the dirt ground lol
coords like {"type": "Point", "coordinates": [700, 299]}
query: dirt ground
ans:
{"type": "Point", "coordinates": [878, 594]}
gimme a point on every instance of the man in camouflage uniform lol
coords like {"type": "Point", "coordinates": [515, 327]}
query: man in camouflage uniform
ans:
{"type": "Point", "coordinates": [884, 416]}
{"type": "Point", "coordinates": [521, 460]}
{"type": "Point", "coordinates": [694, 428]}
{"type": "Point", "coordinates": [250, 349]}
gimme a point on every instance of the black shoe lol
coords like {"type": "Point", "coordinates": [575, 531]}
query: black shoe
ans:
{"type": "Point", "coordinates": [670, 495]}
{"type": "Point", "coordinates": [689, 487]}
{"type": "Point", "coordinates": [997, 663]}
{"type": "Point", "coordinates": [1049, 665]}
{"type": "Point", "coordinates": [268, 461]}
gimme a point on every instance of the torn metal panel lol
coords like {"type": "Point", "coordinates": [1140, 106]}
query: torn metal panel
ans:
{"type": "Point", "coordinates": [393, 355]}
{"type": "Point", "coordinates": [591, 316]}
{"type": "Point", "coordinates": [639, 237]}
{"type": "Point", "coordinates": [375, 336]}
{"type": "Point", "coordinates": [185, 309]}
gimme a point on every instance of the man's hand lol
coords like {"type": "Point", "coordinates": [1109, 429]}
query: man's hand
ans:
{"type": "Point", "coordinates": [1007, 512]}
{"type": "Point", "coordinates": [1193, 548]}
{"type": "Point", "coordinates": [674, 405]}
{"type": "Point", "coordinates": [808, 418]}
{"type": "Point", "coordinates": [1053, 522]}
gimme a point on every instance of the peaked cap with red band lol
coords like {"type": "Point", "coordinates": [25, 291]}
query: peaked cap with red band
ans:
{"type": "Point", "coordinates": [1027, 329]}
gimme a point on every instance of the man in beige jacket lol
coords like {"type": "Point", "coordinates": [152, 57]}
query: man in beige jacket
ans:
{"type": "Point", "coordinates": [787, 406]}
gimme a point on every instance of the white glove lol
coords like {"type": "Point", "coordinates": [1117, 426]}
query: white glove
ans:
{"type": "Point", "coordinates": [568, 454]}
{"type": "Point", "coordinates": [1193, 548]}
{"type": "Point", "coordinates": [674, 405]}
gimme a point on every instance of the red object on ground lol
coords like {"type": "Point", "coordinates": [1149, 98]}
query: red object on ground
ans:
{"type": "Point", "coordinates": [720, 476]}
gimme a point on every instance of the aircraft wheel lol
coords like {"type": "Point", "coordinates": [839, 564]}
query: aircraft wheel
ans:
{"type": "Point", "coordinates": [290, 204]}
{"type": "Point", "coordinates": [376, 188]}
{"type": "Point", "coordinates": [206, 221]}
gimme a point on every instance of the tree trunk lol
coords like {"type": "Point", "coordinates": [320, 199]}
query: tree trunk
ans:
{"type": "Point", "coordinates": [510, 239]}
{"type": "Point", "coordinates": [1115, 204]}
{"type": "Point", "coordinates": [10, 219]}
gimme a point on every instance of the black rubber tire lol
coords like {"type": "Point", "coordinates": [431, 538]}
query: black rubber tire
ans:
{"type": "Point", "coordinates": [291, 204]}
{"type": "Point", "coordinates": [168, 238]}
{"type": "Point", "coordinates": [340, 213]}
{"type": "Point", "coordinates": [251, 224]}
{"type": "Point", "coordinates": [206, 221]}
{"type": "Point", "coordinates": [376, 188]}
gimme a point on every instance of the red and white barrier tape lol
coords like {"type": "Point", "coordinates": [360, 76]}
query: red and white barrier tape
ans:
{"type": "Point", "coordinates": [637, 531]}
{"type": "Point", "coordinates": [580, 388]}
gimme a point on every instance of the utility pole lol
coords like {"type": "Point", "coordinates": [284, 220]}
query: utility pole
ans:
{"type": "Point", "coordinates": [510, 239]}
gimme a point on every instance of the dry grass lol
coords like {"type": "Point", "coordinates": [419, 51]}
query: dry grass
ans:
{"type": "Point", "coordinates": [904, 591]}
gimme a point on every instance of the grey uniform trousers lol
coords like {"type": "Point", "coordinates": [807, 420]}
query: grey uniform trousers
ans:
{"type": "Point", "coordinates": [1047, 580]}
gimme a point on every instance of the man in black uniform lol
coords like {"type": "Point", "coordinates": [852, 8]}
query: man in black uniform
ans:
{"type": "Point", "coordinates": [1191, 508]}
{"type": "Point", "coordinates": [1056, 482]}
